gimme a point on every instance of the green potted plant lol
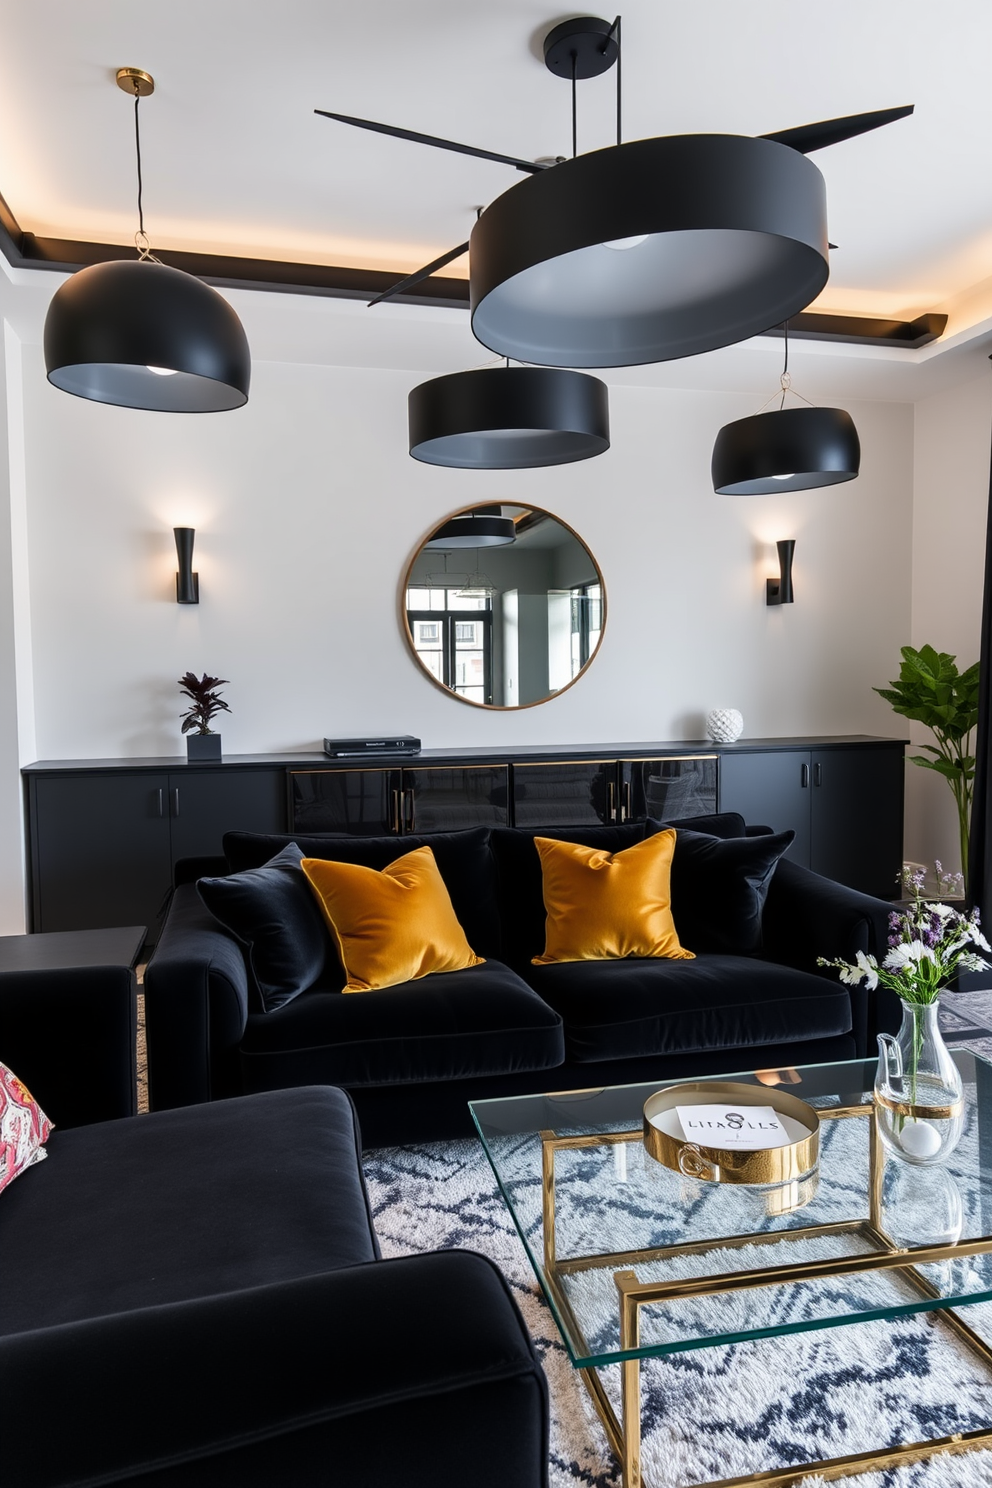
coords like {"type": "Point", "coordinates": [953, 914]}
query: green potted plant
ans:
{"type": "Point", "coordinates": [931, 690]}
{"type": "Point", "coordinates": [205, 701]}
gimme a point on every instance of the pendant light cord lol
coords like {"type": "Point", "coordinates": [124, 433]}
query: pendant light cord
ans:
{"type": "Point", "coordinates": [574, 116]}
{"type": "Point", "coordinates": [619, 84]}
{"type": "Point", "coordinates": [785, 381]}
{"type": "Point", "coordinates": [145, 254]}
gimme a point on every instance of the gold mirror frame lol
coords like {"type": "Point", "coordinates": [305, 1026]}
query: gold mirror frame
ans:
{"type": "Point", "coordinates": [425, 671]}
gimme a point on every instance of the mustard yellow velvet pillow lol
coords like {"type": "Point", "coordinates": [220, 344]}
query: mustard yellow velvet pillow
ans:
{"type": "Point", "coordinates": [393, 926]}
{"type": "Point", "coordinates": [606, 906]}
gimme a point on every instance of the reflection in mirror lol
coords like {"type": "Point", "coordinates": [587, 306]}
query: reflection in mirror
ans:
{"type": "Point", "coordinates": [510, 622]}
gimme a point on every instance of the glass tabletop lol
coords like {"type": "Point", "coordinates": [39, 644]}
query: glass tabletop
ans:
{"type": "Point", "coordinates": [714, 1262]}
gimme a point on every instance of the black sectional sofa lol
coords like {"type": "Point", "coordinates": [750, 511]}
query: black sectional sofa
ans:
{"type": "Point", "coordinates": [195, 1299]}
{"type": "Point", "coordinates": [412, 1056]}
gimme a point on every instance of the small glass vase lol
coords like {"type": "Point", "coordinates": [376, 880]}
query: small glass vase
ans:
{"type": "Point", "coordinates": [919, 1095]}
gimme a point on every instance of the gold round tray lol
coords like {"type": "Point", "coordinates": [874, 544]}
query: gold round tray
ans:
{"type": "Point", "coordinates": [665, 1140]}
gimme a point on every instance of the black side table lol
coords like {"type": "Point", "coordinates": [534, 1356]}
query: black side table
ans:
{"type": "Point", "coordinates": [56, 950]}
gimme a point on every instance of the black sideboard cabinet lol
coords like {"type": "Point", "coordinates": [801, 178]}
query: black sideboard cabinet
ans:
{"type": "Point", "coordinates": [103, 836]}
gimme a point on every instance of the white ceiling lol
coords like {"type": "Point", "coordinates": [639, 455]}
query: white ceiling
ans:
{"type": "Point", "coordinates": [235, 160]}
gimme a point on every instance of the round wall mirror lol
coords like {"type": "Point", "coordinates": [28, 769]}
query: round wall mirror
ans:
{"type": "Point", "coordinates": [505, 606]}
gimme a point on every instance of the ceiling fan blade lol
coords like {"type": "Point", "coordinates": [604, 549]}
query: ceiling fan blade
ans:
{"type": "Point", "coordinates": [809, 137]}
{"type": "Point", "coordinates": [424, 273]}
{"type": "Point", "coordinates": [433, 139]}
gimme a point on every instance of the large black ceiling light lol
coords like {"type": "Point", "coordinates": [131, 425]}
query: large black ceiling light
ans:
{"type": "Point", "coordinates": [788, 449]}
{"type": "Point", "coordinates": [646, 251]}
{"type": "Point", "coordinates": [481, 527]}
{"type": "Point", "coordinates": [142, 335]}
{"type": "Point", "coordinates": [509, 418]}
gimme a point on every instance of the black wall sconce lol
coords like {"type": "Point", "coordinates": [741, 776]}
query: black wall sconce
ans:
{"type": "Point", "coordinates": [187, 582]}
{"type": "Point", "coordinates": [779, 591]}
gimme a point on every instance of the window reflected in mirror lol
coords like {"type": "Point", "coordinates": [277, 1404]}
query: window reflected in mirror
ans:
{"type": "Point", "coordinates": [505, 606]}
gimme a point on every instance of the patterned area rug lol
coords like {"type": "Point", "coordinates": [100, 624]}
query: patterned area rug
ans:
{"type": "Point", "coordinates": [723, 1411]}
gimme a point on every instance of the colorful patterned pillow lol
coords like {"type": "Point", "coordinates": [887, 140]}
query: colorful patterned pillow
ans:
{"type": "Point", "coordinates": [24, 1128]}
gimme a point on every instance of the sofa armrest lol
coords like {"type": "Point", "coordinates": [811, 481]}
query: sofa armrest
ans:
{"type": "Point", "coordinates": [807, 916]}
{"type": "Point", "coordinates": [185, 1386]}
{"type": "Point", "coordinates": [69, 1034]}
{"type": "Point", "coordinates": [196, 1007]}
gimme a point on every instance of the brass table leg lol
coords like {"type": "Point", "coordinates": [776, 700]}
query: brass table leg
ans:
{"type": "Point", "coordinates": [629, 1339]}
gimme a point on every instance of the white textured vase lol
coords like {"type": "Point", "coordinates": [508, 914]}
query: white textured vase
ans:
{"type": "Point", "coordinates": [724, 725]}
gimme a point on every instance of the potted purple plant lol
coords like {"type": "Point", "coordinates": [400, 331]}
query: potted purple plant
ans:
{"type": "Point", "coordinates": [202, 743]}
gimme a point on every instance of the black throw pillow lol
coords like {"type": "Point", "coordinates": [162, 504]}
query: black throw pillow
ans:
{"type": "Point", "coordinates": [275, 916]}
{"type": "Point", "coordinates": [719, 888]}
{"type": "Point", "coordinates": [464, 861]}
{"type": "Point", "coordinates": [718, 824]}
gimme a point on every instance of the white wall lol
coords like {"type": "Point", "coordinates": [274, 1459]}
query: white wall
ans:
{"type": "Point", "coordinates": [308, 509]}
{"type": "Point", "coordinates": [290, 494]}
{"type": "Point", "coordinates": [952, 445]}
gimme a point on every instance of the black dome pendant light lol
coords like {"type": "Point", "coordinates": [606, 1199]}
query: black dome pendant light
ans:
{"type": "Point", "coordinates": [142, 335]}
{"type": "Point", "coordinates": [647, 251]}
{"type": "Point", "coordinates": [789, 449]}
{"type": "Point", "coordinates": [509, 418]}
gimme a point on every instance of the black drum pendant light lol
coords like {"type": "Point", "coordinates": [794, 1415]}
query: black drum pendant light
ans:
{"type": "Point", "coordinates": [649, 251]}
{"type": "Point", "coordinates": [509, 418]}
{"type": "Point", "coordinates": [646, 251]}
{"type": "Point", "coordinates": [142, 335]}
{"type": "Point", "coordinates": [483, 527]}
{"type": "Point", "coordinates": [789, 449]}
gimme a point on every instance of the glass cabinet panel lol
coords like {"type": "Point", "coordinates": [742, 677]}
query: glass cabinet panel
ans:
{"type": "Point", "coordinates": [365, 803]}
{"type": "Point", "coordinates": [447, 799]}
{"type": "Point", "coordinates": [568, 793]}
{"type": "Point", "coordinates": [669, 788]}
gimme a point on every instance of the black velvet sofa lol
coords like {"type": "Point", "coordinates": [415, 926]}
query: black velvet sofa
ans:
{"type": "Point", "coordinates": [195, 1299]}
{"type": "Point", "coordinates": [412, 1056]}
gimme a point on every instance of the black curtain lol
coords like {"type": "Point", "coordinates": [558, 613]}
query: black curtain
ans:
{"type": "Point", "coordinates": [980, 843]}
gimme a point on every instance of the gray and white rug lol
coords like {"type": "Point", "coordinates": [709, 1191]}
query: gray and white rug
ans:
{"type": "Point", "coordinates": [720, 1411]}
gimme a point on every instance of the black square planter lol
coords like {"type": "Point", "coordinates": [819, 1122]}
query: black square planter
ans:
{"type": "Point", "coordinates": [200, 747]}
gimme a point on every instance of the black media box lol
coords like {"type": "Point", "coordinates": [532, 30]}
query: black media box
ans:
{"type": "Point", "coordinates": [351, 748]}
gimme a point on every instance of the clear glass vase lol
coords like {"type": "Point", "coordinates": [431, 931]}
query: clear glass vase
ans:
{"type": "Point", "coordinates": [919, 1096]}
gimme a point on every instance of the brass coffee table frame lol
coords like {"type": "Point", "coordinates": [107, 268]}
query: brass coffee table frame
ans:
{"type": "Point", "coordinates": [625, 1437]}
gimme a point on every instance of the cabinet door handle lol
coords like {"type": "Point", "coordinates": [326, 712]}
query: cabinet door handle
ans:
{"type": "Point", "coordinates": [817, 774]}
{"type": "Point", "coordinates": [161, 802]}
{"type": "Point", "coordinates": [805, 777]}
{"type": "Point", "coordinates": [412, 813]}
{"type": "Point", "coordinates": [611, 810]}
{"type": "Point", "coordinates": [175, 801]}
{"type": "Point", "coordinates": [625, 808]}
{"type": "Point", "coordinates": [396, 811]}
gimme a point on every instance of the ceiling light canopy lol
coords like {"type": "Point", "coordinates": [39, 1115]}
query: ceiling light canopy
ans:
{"type": "Point", "coordinates": [485, 527]}
{"type": "Point", "coordinates": [509, 418]}
{"type": "Point", "coordinates": [789, 449]}
{"type": "Point", "coordinates": [139, 334]}
{"type": "Point", "coordinates": [733, 240]}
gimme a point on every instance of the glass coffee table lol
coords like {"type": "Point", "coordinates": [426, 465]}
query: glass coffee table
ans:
{"type": "Point", "coordinates": [637, 1261]}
